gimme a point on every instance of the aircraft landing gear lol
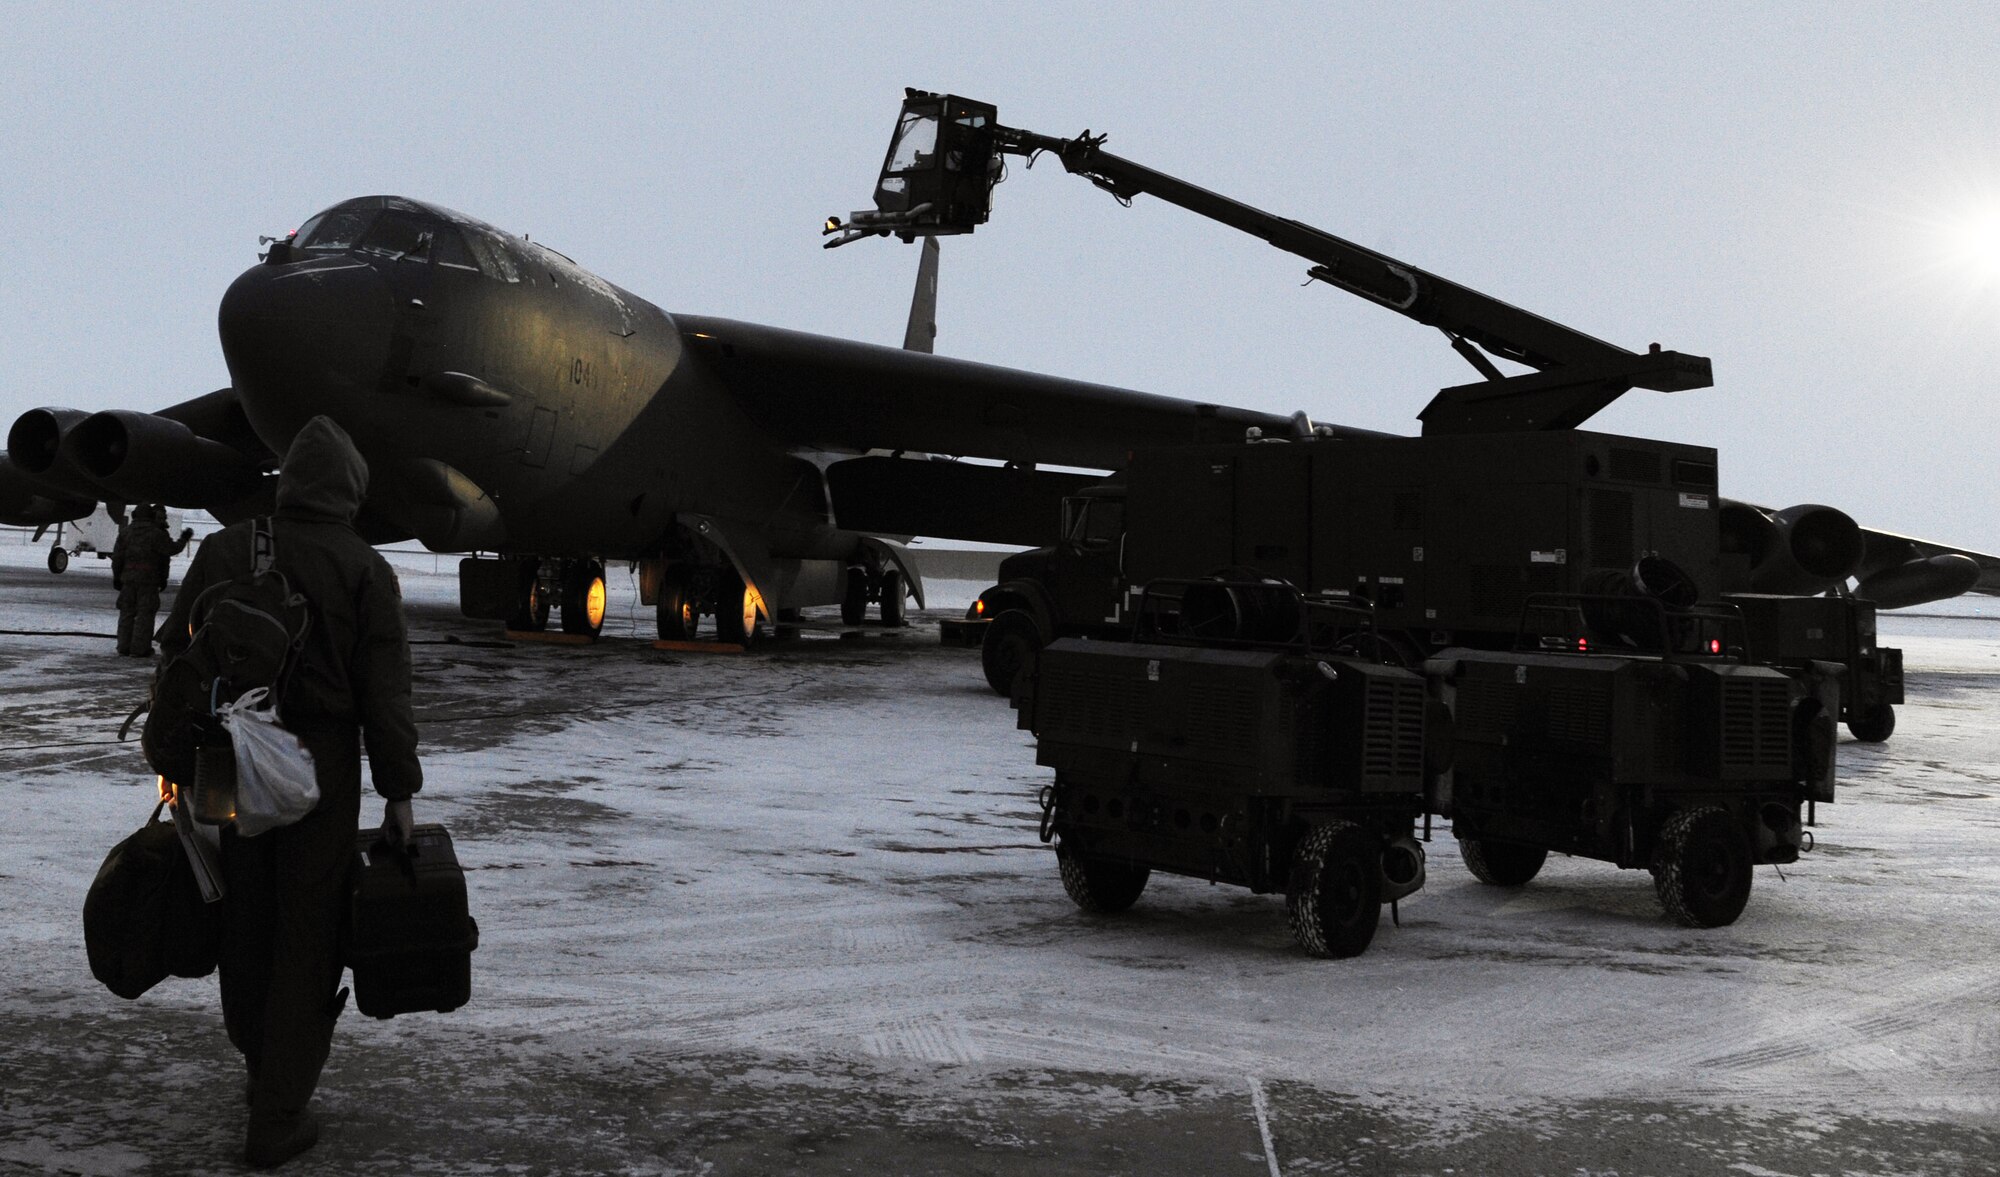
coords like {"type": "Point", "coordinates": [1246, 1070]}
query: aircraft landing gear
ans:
{"type": "Point", "coordinates": [884, 586]}
{"type": "Point", "coordinates": [583, 597]}
{"type": "Point", "coordinates": [531, 599]}
{"type": "Point", "coordinates": [891, 597]}
{"type": "Point", "coordinates": [736, 609]}
{"type": "Point", "coordinates": [678, 605]}
{"type": "Point", "coordinates": [58, 559]}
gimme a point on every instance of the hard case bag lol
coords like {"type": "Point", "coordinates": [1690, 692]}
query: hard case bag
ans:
{"type": "Point", "coordinates": [411, 938]}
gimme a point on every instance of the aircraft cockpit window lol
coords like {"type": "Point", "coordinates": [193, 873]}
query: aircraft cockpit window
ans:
{"type": "Point", "coordinates": [399, 235]}
{"type": "Point", "coordinates": [448, 248]}
{"type": "Point", "coordinates": [495, 259]}
{"type": "Point", "coordinates": [334, 231]}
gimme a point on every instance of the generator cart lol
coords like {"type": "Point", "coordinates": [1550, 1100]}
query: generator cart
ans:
{"type": "Point", "coordinates": [1243, 736]}
{"type": "Point", "coordinates": [1641, 735]}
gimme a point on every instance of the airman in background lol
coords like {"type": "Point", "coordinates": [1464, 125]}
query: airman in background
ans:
{"type": "Point", "coordinates": [139, 562]}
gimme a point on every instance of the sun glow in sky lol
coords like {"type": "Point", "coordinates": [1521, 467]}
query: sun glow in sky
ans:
{"type": "Point", "coordinates": [1975, 237]}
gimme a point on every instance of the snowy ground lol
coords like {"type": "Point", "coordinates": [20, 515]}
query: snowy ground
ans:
{"type": "Point", "coordinates": [787, 913]}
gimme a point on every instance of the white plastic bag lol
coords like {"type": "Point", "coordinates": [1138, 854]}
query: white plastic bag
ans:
{"type": "Point", "coordinates": [276, 783]}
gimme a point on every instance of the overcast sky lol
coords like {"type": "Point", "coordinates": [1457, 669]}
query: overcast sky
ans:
{"type": "Point", "coordinates": [1796, 191]}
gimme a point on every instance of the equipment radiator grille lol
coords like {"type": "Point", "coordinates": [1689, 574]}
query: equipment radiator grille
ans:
{"type": "Point", "coordinates": [1756, 725]}
{"type": "Point", "coordinates": [1579, 715]}
{"type": "Point", "coordinates": [1222, 717]}
{"type": "Point", "coordinates": [1081, 704]}
{"type": "Point", "coordinates": [1486, 707]}
{"type": "Point", "coordinates": [1392, 732]}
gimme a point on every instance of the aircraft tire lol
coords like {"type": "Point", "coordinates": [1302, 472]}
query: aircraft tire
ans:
{"type": "Point", "coordinates": [1702, 874]}
{"type": "Point", "coordinates": [583, 597]}
{"type": "Point", "coordinates": [676, 609]}
{"type": "Point", "coordinates": [892, 597]}
{"type": "Point", "coordinates": [854, 598]}
{"type": "Point", "coordinates": [531, 604]}
{"type": "Point", "coordinates": [1501, 864]}
{"type": "Point", "coordinates": [1334, 900]}
{"type": "Point", "coordinates": [58, 559]}
{"type": "Point", "coordinates": [1874, 725]}
{"type": "Point", "coordinates": [1011, 648]}
{"type": "Point", "coordinates": [1099, 885]}
{"type": "Point", "coordinates": [736, 614]}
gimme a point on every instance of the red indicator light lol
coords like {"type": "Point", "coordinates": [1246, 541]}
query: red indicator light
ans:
{"type": "Point", "coordinates": [1582, 645]}
{"type": "Point", "coordinates": [1714, 646]}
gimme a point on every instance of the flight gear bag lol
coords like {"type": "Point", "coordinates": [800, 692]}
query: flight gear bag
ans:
{"type": "Point", "coordinates": [144, 919]}
{"type": "Point", "coordinates": [410, 939]}
{"type": "Point", "coordinates": [248, 631]}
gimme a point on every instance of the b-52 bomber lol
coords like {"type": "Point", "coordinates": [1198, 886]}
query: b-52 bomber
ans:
{"type": "Point", "coordinates": [511, 402]}
{"type": "Point", "coordinates": [513, 405]}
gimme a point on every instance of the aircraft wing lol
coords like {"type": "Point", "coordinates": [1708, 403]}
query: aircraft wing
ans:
{"type": "Point", "coordinates": [1886, 550]}
{"type": "Point", "coordinates": [818, 392]}
{"type": "Point", "coordinates": [60, 463]}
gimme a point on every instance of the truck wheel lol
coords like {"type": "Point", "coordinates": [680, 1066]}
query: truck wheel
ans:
{"type": "Point", "coordinates": [1874, 725]}
{"type": "Point", "coordinates": [1012, 645]}
{"type": "Point", "coordinates": [675, 608]}
{"type": "Point", "coordinates": [58, 559]}
{"type": "Point", "coordinates": [854, 596]}
{"type": "Point", "coordinates": [1702, 873]}
{"type": "Point", "coordinates": [892, 597]}
{"type": "Point", "coordinates": [1098, 884]}
{"type": "Point", "coordinates": [1335, 897]}
{"type": "Point", "coordinates": [1501, 864]}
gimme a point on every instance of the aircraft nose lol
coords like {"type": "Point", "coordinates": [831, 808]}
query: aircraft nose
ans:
{"type": "Point", "coordinates": [305, 338]}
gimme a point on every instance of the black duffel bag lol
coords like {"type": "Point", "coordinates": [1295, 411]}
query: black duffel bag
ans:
{"type": "Point", "coordinates": [144, 919]}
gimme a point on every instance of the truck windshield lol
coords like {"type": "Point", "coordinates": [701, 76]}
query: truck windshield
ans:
{"type": "Point", "coordinates": [1097, 522]}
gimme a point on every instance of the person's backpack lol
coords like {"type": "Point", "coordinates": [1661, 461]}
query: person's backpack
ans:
{"type": "Point", "coordinates": [248, 632]}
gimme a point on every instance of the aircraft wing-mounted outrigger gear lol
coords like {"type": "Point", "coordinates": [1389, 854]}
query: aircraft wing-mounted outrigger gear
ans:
{"type": "Point", "coordinates": [947, 155]}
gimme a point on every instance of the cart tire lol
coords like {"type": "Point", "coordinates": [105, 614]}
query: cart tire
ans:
{"type": "Point", "coordinates": [58, 559]}
{"type": "Point", "coordinates": [1334, 901]}
{"type": "Point", "coordinates": [1012, 646]}
{"type": "Point", "coordinates": [1501, 864]}
{"type": "Point", "coordinates": [1874, 725]}
{"type": "Point", "coordinates": [1702, 873]}
{"type": "Point", "coordinates": [1100, 885]}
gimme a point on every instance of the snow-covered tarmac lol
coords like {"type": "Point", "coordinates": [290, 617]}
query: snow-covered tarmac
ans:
{"type": "Point", "coordinates": [787, 913]}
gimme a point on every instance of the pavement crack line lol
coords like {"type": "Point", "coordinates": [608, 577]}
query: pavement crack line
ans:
{"type": "Point", "coordinates": [1263, 1110]}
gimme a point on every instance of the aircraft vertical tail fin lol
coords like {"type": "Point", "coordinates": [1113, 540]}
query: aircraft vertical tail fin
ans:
{"type": "Point", "coordinates": [921, 334]}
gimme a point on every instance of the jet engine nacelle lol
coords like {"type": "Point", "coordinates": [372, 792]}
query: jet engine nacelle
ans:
{"type": "Point", "coordinates": [35, 447]}
{"type": "Point", "coordinates": [26, 502]}
{"type": "Point", "coordinates": [146, 458]}
{"type": "Point", "coordinates": [1916, 582]}
{"type": "Point", "coordinates": [1800, 550]}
